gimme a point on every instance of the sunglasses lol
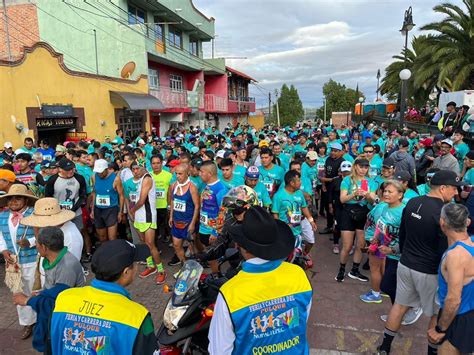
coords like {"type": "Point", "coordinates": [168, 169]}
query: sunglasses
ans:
{"type": "Point", "coordinates": [368, 151]}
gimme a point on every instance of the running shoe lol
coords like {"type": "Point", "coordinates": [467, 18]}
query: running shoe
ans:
{"type": "Point", "coordinates": [381, 352]}
{"type": "Point", "coordinates": [412, 316]}
{"type": "Point", "coordinates": [369, 297]}
{"type": "Point", "coordinates": [326, 231]}
{"type": "Point", "coordinates": [356, 275]}
{"type": "Point", "coordinates": [340, 275]}
{"type": "Point", "coordinates": [383, 294]}
{"type": "Point", "coordinates": [384, 317]}
{"type": "Point", "coordinates": [161, 278]}
{"type": "Point", "coordinates": [174, 261]}
{"type": "Point", "coordinates": [147, 272]}
{"type": "Point", "coordinates": [335, 249]}
{"type": "Point", "coordinates": [87, 258]}
{"type": "Point", "coordinates": [188, 253]}
{"type": "Point", "coordinates": [308, 261]}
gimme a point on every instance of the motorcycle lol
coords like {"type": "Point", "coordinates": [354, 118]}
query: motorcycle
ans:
{"type": "Point", "coordinates": [189, 311]}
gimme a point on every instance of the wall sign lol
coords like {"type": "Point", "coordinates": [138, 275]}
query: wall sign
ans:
{"type": "Point", "coordinates": [76, 136]}
{"type": "Point", "coordinates": [57, 110]}
{"type": "Point", "coordinates": [56, 122]}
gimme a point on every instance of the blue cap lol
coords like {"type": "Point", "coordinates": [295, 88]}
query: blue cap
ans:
{"type": "Point", "coordinates": [252, 172]}
{"type": "Point", "coordinates": [336, 145]}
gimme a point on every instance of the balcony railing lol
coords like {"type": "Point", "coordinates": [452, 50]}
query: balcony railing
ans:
{"type": "Point", "coordinates": [243, 104]}
{"type": "Point", "coordinates": [215, 103]}
{"type": "Point", "coordinates": [173, 99]}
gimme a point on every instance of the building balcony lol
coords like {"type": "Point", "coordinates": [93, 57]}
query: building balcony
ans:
{"type": "Point", "coordinates": [241, 104]}
{"type": "Point", "coordinates": [178, 100]}
{"type": "Point", "coordinates": [215, 103]}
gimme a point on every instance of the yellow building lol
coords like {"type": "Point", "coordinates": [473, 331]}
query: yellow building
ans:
{"type": "Point", "coordinates": [41, 98]}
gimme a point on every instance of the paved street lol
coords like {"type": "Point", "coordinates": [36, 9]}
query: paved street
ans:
{"type": "Point", "coordinates": [339, 321]}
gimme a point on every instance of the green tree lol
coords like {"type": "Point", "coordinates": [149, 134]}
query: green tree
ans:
{"type": "Point", "coordinates": [289, 105]}
{"type": "Point", "coordinates": [339, 98]}
{"type": "Point", "coordinates": [451, 47]}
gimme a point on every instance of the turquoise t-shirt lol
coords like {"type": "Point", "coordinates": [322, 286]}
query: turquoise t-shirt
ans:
{"type": "Point", "coordinates": [423, 189]}
{"type": "Point", "coordinates": [239, 170]}
{"type": "Point", "coordinates": [375, 166]}
{"type": "Point", "coordinates": [461, 150]}
{"type": "Point", "coordinates": [86, 172]}
{"type": "Point", "coordinates": [372, 217]}
{"type": "Point", "coordinates": [263, 196]}
{"type": "Point", "coordinates": [289, 206]}
{"type": "Point", "coordinates": [118, 139]}
{"type": "Point", "coordinates": [348, 186]}
{"type": "Point", "coordinates": [348, 157]}
{"type": "Point", "coordinates": [309, 175]}
{"type": "Point", "coordinates": [388, 227]}
{"type": "Point", "coordinates": [320, 169]}
{"type": "Point", "coordinates": [285, 161]}
{"type": "Point", "coordinates": [409, 194]}
{"type": "Point", "coordinates": [233, 182]}
{"type": "Point", "coordinates": [272, 178]}
{"type": "Point", "coordinates": [298, 148]}
{"type": "Point", "coordinates": [381, 143]}
{"type": "Point", "coordinates": [197, 181]}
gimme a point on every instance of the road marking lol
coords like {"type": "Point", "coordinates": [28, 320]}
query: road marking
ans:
{"type": "Point", "coordinates": [340, 343]}
{"type": "Point", "coordinates": [367, 342]}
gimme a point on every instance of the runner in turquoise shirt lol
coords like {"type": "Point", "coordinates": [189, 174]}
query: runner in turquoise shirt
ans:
{"type": "Point", "coordinates": [251, 180]}
{"type": "Point", "coordinates": [271, 175]}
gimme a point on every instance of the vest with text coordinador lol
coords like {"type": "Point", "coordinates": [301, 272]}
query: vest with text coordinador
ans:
{"type": "Point", "coordinates": [268, 307]}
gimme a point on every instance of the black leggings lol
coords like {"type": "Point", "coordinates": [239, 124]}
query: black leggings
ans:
{"type": "Point", "coordinates": [389, 279]}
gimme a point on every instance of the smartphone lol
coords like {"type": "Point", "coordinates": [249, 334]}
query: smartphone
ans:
{"type": "Point", "coordinates": [364, 185]}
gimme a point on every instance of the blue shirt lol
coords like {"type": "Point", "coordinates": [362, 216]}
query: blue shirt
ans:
{"type": "Point", "coordinates": [48, 154]}
{"type": "Point", "coordinates": [211, 200]}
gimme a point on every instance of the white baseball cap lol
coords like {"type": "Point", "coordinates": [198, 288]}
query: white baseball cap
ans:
{"type": "Point", "coordinates": [346, 166]}
{"type": "Point", "coordinates": [7, 145]}
{"type": "Point", "coordinates": [141, 141]}
{"type": "Point", "coordinates": [220, 154]}
{"type": "Point", "coordinates": [100, 165]}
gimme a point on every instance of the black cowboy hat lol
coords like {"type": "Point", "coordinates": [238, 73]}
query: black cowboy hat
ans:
{"type": "Point", "coordinates": [263, 236]}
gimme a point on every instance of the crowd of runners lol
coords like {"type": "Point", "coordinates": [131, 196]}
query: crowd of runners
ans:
{"type": "Point", "coordinates": [396, 204]}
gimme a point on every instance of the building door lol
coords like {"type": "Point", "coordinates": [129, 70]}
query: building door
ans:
{"type": "Point", "coordinates": [131, 122]}
{"type": "Point", "coordinates": [155, 122]}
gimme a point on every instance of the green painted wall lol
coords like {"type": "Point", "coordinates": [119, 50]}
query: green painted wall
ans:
{"type": "Point", "coordinates": [70, 31]}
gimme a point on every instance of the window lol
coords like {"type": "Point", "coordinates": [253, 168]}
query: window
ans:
{"type": "Point", "coordinates": [153, 79]}
{"type": "Point", "coordinates": [176, 82]}
{"type": "Point", "coordinates": [175, 37]}
{"type": "Point", "coordinates": [131, 122]}
{"type": "Point", "coordinates": [136, 15]}
{"type": "Point", "coordinates": [159, 29]}
{"type": "Point", "coordinates": [194, 47]}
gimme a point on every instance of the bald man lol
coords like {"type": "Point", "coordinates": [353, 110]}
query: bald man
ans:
{"type": "Point", "coordinates": [184, 210]}
{"type": "Point", "coordinates": [211, 201]}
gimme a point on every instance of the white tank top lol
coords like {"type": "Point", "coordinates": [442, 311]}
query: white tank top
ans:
{"type": "Point", "coordinates": [146, 213]}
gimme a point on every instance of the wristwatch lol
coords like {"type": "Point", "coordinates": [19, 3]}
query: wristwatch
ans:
{"type": "Point", "coordinates": [438, 330]}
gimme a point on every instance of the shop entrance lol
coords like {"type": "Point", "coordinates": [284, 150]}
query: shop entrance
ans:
{"type": "Point", "coordinates": [55, 136]}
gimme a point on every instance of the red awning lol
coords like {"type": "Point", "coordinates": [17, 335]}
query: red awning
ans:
{"type": "Point", "coordinates": [239, 73]}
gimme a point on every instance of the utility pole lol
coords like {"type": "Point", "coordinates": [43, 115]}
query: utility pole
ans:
{"type": "Point", "coordinates": [324, 110]}
{"type": "Point", "coordinates": [7, 30]}
{"type": "Point", "coordinates": [278, 109]}
{"type": "Point", "coordinates": [269, 106]}
{"type": "Point", "coordinates": [212, 42]}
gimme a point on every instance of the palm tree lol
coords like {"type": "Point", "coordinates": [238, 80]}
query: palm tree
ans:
{"type": "Point", "coordinates": [391, 81]}
{"type": "Point", "coordinates": [448, 57]}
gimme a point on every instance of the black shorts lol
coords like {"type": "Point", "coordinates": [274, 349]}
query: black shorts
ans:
{"type": "Point", "coordinates": [347, 222]}
{"type": "Point", "coordinates": [204, 238]}
{"type": "Point", "coordinates": [459, 333]}
{"type": "Point", "coordinates": [105, 217]}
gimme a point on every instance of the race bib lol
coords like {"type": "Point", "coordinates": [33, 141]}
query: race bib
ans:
{"type": "Point", "coordinates": [65, 205]}
{"type": "Point", "coordinates": [160, 194]}
{"type": "Point", "coordinates": [47, 157]}
{"type": "Point", "coordinates": [268, 185]}
{"type": "Point", "coordinates": [179, 205]}
{"type": "Point", "coordinates": [203, 218]}
{"type": "Point", "coordinates": [295, 218]}
{"type": "Point", "coordinates": [373, 172]}
{"type": "Point", "coordinates": [133, 197]}
{"type": "Point", "coordinates": [102, 200]}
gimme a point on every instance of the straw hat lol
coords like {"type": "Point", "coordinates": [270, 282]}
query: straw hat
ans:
{"type": "Point", "coordinates": [47, 213]}
{"type": "Point", "coordinates": [18, 190]}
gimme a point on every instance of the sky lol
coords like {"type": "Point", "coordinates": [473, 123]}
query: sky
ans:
{"type": "Point", "coordinates": [307, 42]}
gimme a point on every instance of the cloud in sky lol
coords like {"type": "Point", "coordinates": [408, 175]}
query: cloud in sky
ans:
{"type": "Point", "coordinates": [307, 42]}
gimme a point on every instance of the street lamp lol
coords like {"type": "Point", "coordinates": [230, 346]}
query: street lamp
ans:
{"type": "Point", "coordinates": [407, 27]}
{"type": "Point", "coordinates": [361, 106]}
{"type": "Point", "coordinates": [404, 75]}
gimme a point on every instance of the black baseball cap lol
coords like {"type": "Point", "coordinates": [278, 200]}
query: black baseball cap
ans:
{"type": "Point", "coordinates": [402, 176]}
{"type": "Point", "coordinates": [446, 177]}
{"type": "Point", "coordinates": [388, 163]}
{"type": "Point", "coordinates": [114, 256]}
{"type": "Point", "coordinates": [362, 162]}
{"type": "Point", "coordinates": [66, 164]}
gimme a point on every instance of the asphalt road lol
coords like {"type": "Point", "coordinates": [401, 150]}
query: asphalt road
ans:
{"type": "Point", "coordinates": [339, 322]}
